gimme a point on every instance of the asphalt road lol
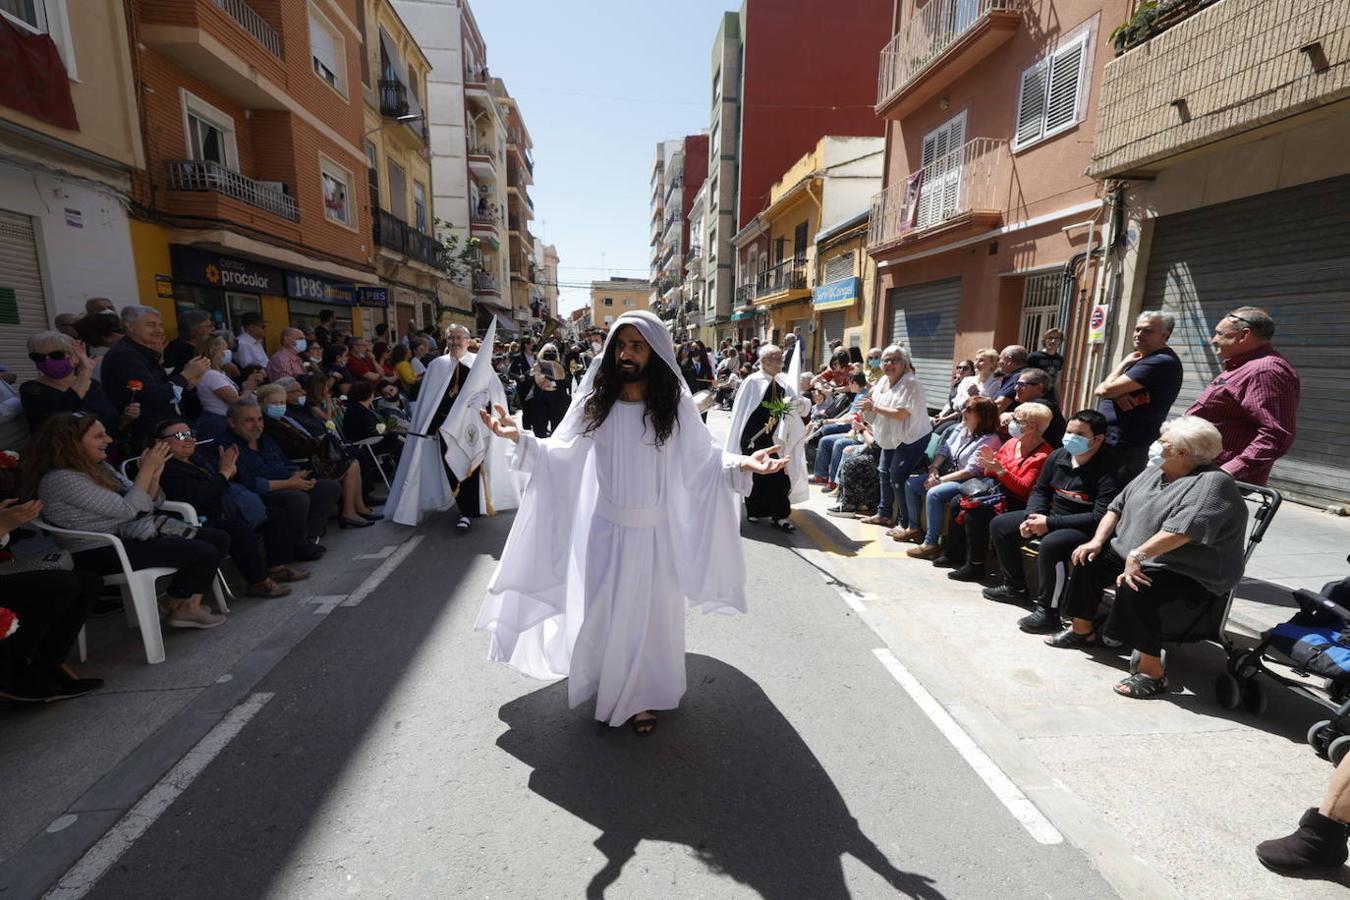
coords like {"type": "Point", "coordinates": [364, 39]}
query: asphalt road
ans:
{"type": "Point", "coordinates": [392, 760]}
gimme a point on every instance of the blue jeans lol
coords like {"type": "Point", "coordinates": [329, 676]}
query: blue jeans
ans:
{"type": "Point", "coordinates": [894, 468]}
{"type": "Point", "coordinates": [829, 453]}
{"type": "Point", "coordinates": [934, 501]}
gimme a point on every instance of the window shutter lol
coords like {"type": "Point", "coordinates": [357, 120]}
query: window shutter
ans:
{"type": "Point", "coordinates": [837, 268]}
{"type": "Point", "coordinates": [929, 149]}
{"type": "Point", "coordinates": [1031, 105]}
{"type": "Point", "coordinates": [323, 45]}
{"type": "Point", "coordinates": [1066, 77]}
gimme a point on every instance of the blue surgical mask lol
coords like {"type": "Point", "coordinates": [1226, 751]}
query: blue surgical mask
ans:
{"type": "Point", "coordinates": [1155, 454]}
{"type": "Point", "coordinates": [275, 410]}
{"type": "Point", "coordinates": [874, 364]}
{"type": "Point", "coordinates": [1015, 428]}
{"type": "Point", "coordinates": [226, 356]}
{"type": "Point", "coordinates": [1076, 444]}
{"type": "Point", "coordinates": [300, 345]}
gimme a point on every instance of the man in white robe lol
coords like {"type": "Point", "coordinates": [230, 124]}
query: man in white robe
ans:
{"type": "Point", "coordinates": [753, 426]}
{"type": "Point", "coordinates": [424, 482]}
{"type": "Point", "coordinates": [629, 513]}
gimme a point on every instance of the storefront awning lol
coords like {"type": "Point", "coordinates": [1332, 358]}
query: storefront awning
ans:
{"type": "Point", "coordinates": [741, 315]}
{"type": "Point", "coordinates": [504, 325]}
{"type": "Point", "coordinates": [836, 294]}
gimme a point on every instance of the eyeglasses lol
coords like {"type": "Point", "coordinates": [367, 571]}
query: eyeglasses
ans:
{"type": "Point", "coordinates": [54, 354]}
{"type": "Point", "coordinates": [1236, 318]}
{"type": "Point", "coordinates": [179, 435]}
{"type": "Point", "coordinates": [1023, 384]}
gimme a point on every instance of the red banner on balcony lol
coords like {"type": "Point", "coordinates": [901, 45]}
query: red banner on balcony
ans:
{"type": "Point", "coordinates": [35, 80]}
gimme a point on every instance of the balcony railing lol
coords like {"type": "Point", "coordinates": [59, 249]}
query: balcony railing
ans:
{"type": "Point", "coordinates": [394, 233]}
{"type": "Point", "coordinates": [924, 37]}
{"type": "Point", "coordinates": [476, 74]}
{"type": "Point", "coordinates": [203, 175]}
{"type": "Point", "coordinates": [788, 275]}
{"type": "Point", "coordinates": [486, 283]}
{"type": "Point", "coordinates": [485, 216]}
{"type": "Point", "coordinates": [744, 294]}
{"type": "Point", "coordinates": [254, 24]}
{"type": "Point", "coordinates": [393, 98]}
{"type": "Point", "coordinates": [953, 185]}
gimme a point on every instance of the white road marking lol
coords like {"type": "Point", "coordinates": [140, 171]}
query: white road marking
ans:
{"type": "Point", "coordinates": [326, 603]}
{"type": "Point", "coordinates": [382, 553]}
{"type": "Point", "coordinates": [100, 857]}
{"type": "Point", "coordinates": [386, 568]}
{"type": "Point", "coordinates": [854, 601]}
{"type": "Point", "coordinates": [1022, 809]}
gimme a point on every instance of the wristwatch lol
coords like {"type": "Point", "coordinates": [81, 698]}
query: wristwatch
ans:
{"type": "Point", "coordinates": [1138, 556]}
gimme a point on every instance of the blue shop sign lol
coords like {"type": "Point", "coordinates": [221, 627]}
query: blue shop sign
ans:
{"type": "Point", "coordinates": [372, 297]}
{"type": "Point", "coordinates": [836, 294]}
{"type": "Point", "coordinates": [320, 290]}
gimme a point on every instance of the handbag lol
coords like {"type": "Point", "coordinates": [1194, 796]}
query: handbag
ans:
{"type": "Point", "coordinates": [975, 487]}
{"type": "Point", "coordinates": [153, 525]}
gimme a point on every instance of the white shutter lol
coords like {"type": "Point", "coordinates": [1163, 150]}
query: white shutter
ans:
{"type": "Point", "coordinates": [323, 46]}
{"type": "Point", "coordinates": [21, 295]}
{"type": "Point", "coordinates": [1031, 105]}
{"type": "Point", "coordinates": [837, 268]}
{"type": "Point", "coordinates": [1066, 80]}
{"type": "Point", "coordinates": [940, 191]}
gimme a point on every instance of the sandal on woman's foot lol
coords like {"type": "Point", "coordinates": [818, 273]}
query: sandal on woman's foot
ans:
{"type": "Point", "coordinates": [1070, 638]}
{"type": "Point", "coordinates": [1139, 686]}
{"type": "Point", "coordinates": [644, 726]}
{"type": "Point", "coordinates": [463, 523]}
{"type": "Point", "coordinates": [784, 525]}
{"type": "Point", "coordinates": [879, 520]}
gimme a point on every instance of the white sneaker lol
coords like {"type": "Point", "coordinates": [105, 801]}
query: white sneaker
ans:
{"type": "Point", "coordinates": [200, 617]}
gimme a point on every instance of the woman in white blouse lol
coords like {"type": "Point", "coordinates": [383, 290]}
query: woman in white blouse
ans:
{"type": "Point", "coordinates": [898, 414]}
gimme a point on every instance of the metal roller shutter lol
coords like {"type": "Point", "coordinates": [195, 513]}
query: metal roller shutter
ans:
{"type": "Point", "coordinates": [1287, 252]}
{"type": "Point", "coordinates": [831, 329]}
{"type": "Point", "coordinates": [23, 312]}
{"type": "Point", "coordinates": [923, 319]}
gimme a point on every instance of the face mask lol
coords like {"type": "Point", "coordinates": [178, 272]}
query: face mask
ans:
{"type": "Point", "coordinates": [1076, 444]}
{"type": "Point", "coordinates": [275, 410]}
{"type": "Point", "coordinates": [874, 364]}
{"type": "Point", "coordinates": [1155, 454]}
{"type": "Point", "coordinates": [226, 356]}
{"type": "Point", "coordinates": [300, 345]}
{"type": "Point", "coordinates": [56, 368]}
{"type": "Point", "coordinates": [1015, 428]}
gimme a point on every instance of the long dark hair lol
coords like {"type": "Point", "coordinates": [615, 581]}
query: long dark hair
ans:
{"type": "Point", "coordinates": [663, 394]}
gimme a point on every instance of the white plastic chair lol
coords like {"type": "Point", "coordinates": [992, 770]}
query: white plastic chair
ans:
{"type": "Point", "coordinates": [368, 444]}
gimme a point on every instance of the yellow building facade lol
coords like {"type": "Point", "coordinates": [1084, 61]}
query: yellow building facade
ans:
{"type": "Point", "coordinates": [616, 296]}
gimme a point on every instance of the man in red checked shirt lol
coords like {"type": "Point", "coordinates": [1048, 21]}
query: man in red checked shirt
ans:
{"type": "Point", "coordinates": [1254, 400]}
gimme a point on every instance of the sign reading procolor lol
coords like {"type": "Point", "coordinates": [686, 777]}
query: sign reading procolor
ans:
{"type": "Point", "coordinates": [191, 266]}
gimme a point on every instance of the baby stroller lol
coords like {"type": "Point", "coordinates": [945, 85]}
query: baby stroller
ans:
{"type": "Point", "coordinates": [1315, 647]}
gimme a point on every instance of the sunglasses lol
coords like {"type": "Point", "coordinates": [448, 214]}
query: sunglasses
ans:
{"type": "Point", "coordinates": [1237, 318]}
{"type": "Point", "coordinates": [54, 354]}
{"type": "Point", "coordinates": [179, 435]}
{"type": "Point", "coordinates": [1023, 384]}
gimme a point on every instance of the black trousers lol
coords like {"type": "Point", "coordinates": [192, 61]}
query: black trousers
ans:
{"type": "Point", "coordinates": [277, 539]}
{"type": "Point", "coordinates": [968, 540]}
{"type": "Point", "coordinates": [306, 512]}
{"type": "Point", "coordinates": [195, 559]}
{"type": "Point", "coordinates": [51, 607]}
{"type": "Point", "coordinates": [1173, 608]}
{"type": "Point", "coordinates": [1053, 563]}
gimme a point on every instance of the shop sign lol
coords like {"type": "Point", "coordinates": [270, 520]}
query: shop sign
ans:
{"type": "Point", "coordinates": [213, 270]}
{"type": "Point", "coordinates": [1097, 324]}
{"type": "Point", "coordinates": [164, 287]}
{"type": "Point", "coordinates": [319, 290]}
{"type": "Point", "coordinates": [372, 297]}
{"type": "Point", "coordinates": [836, 294]}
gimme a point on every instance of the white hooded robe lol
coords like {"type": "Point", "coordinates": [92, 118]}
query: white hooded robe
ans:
{"type": "Point", "coordinates": [614, 536]}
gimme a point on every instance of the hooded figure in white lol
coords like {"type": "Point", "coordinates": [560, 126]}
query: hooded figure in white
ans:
{"type": "Point", "coordinates": [450, 457]}
{"type": "Point", "coordinates": [619, 527]}
{"type": "Point", "coordinates": [753, 426]}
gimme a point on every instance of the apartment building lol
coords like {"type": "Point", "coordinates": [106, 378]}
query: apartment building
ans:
{"type": "Point", "coordinates": [523, 270]}
{"type": "Point", "coordinates": [698, 313]}
{"type": "Point", "coordinates": [776, 252]}
{"type": "Point", "coordinates": [680, 169]}
{"type": "Point", "coordinates": [255, 197]}
{"type": "Point", "coordinates": [780, 83]}
{"type": "Point", "coordinates": [409, 259]}
{"type": "Point", "coordinates": [668, 157]}
{"type": "Point", "coordinates": [548, 269]}
{"type": "Point", "coordinates": [985, 230]}
{"type": "Point", "coordinates": [69, 145]}
{"type": "Point", "coordinates": [615, 296]}
{"type": "Point", "coordinates": [1221, 144]}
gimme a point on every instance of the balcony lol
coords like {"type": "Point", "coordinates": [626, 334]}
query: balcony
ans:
{"type": "Point", "coordinates": [956, 195]}
{"type": "Point", "coordinates": [393, 98]}
{"type": "Point", "coordinates": [693, 263]}
{"type": "Point", "coordinates": [225, 43]}
{"type": "Point", "coordinates": [482, 161]}
{"type": "Point", "coordinates": [940, 43]}
{"type": "Point", "coordinates": [485, 218]}
{"type": "Point", "coordinates": [202, 175]}
{"type": "Point", "coordinates": [1202, 75]}
{"type": "Point", "coordinates": [782, 282]}
{"type": "Point", "coordinates": [483, 283]}
{"type": "Point", "coordinates": [393, 233]}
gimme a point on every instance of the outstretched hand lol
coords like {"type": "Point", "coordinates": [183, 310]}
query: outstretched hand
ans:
{"type": "Point", "coordinates": [501, 424]}
{"type": "Point", "coordinates": [763, 462]}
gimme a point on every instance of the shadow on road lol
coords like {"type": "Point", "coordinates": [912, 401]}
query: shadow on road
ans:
{"type": "Point", "coordinates": [726, 776]}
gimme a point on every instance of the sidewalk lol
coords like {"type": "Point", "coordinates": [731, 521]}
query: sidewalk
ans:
{"type": "Point", "coordinates": [1173, 791]}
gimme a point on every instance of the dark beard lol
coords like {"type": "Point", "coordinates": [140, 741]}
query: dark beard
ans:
{"type": "Point", "coordinates": [630, 376]}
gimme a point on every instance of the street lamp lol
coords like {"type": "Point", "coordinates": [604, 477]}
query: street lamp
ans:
{"type": "Point", "coordinates": [406, 117]}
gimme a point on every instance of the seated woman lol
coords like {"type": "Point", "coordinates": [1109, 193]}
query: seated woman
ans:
{"type": "Point", "coordinates": [951, 410]}
{"type": "Point", "coordinates": [335, 358]}
{"type": "Point", "coordinates": [837, 433]}
{"type": "Point", "coordinates": [362, 422]}
{"type": "Point", "coordinates": [67, 466]}
{"type": "Point", "coordinates": [215, 390]}
{"type": "Point", "coordinates": [297, 443]}
{"type": "Point", "coordinates": [1015, 468]}
{"type": "Point", "coordinates": [99, 333]}
{"type": "Point", "coordinates": [408, 378]}
{"type": "Point", "coordinates": [835, 375]}
{"type": "Point", "coordinates": [1172, 543]}
{"type": "Point", "coordinates": [957, 458]}
{"type": "Point", "coordinates": [65, 384]}
{"type": "Point", "coordinates": [51, 606]}
{"type": "Point", "coordinates": [189, 477]}
{"type": "Point", "coordinates": [313, 405]}
{"type": "Point", "coordinates": [857, 477]}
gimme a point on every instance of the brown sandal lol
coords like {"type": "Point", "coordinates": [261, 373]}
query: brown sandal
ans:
{"type": "Point", "coordinates": [644, 727]}
{"type": "Point", "coordinates": [288, 574]}
{"type": "Point", "coordinates": [267, 590]}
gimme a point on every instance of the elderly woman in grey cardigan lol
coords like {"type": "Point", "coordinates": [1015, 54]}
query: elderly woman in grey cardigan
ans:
{"type": "Point", "coordinates": [67, 464]}
{"type": "Point", "coordinates": [1172, 543]}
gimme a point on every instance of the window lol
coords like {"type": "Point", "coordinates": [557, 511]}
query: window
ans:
{"type": "Point", "coordinates": [337, 188]}
{"type": "Point", "coordinates": [1051, 95]}
{"type": "Point", "coordinates": [837, 268]}
{"type": "Point", "coordinates": [209, 133]}
{"type": "Point", "coordinates": [609, 320]}
{"type": "Point", "coordinates": [420, 206]}
{"type": "Point", "coordinates": [32, 13]}
{"type": "Point", "coordinates": [630, 303]}
{"type": "Point", "coordinates": [328, 51]}
{"type": "Point", "coordinates": [43, 17]}
{"type": "Point", "coordinates": [609, 301]}
{"type": "Point", "coordinates": [799, 243]}
{"type": "Point", "coordinates": [398, 191]}
{"type": "Point", "coordinates": [940, 188]}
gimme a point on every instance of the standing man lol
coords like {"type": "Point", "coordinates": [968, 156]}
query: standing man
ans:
{"type": "Point", "coordinates": [629, 513]}
{"type": "Point", "coordinates": [768, 413]}
{"type": "Point", "coordinates": [133, 372]}
{"type": "Point", "coordinates": [789, 348]}
{"type": "Point", "coordinates": [194, 326]}
{"type": "Point", "coordinates": [1049, 359]}
{"type": "Point", "coordinates": [1254, 400]}
{"type": "Point", "coordinates": [1011, 362]}
{"type": "Point", "coordinates": [323, 335]}
{"type": "Point", "coordinates": [287, 360]}
{"type": "Point", "coordinates": [96, 305]}
{"type": "Point", "coordinates": [522, 365]}
{"type": "Point", "coordinates": [250, 350]}
{"type": "Point", "coordinates": [1139, 392]}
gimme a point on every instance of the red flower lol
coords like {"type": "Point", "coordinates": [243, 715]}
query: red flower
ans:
{"type": "Point", "coordinates": [134, 385]}
{"type": "Point", "coordinates": [9, 459]}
